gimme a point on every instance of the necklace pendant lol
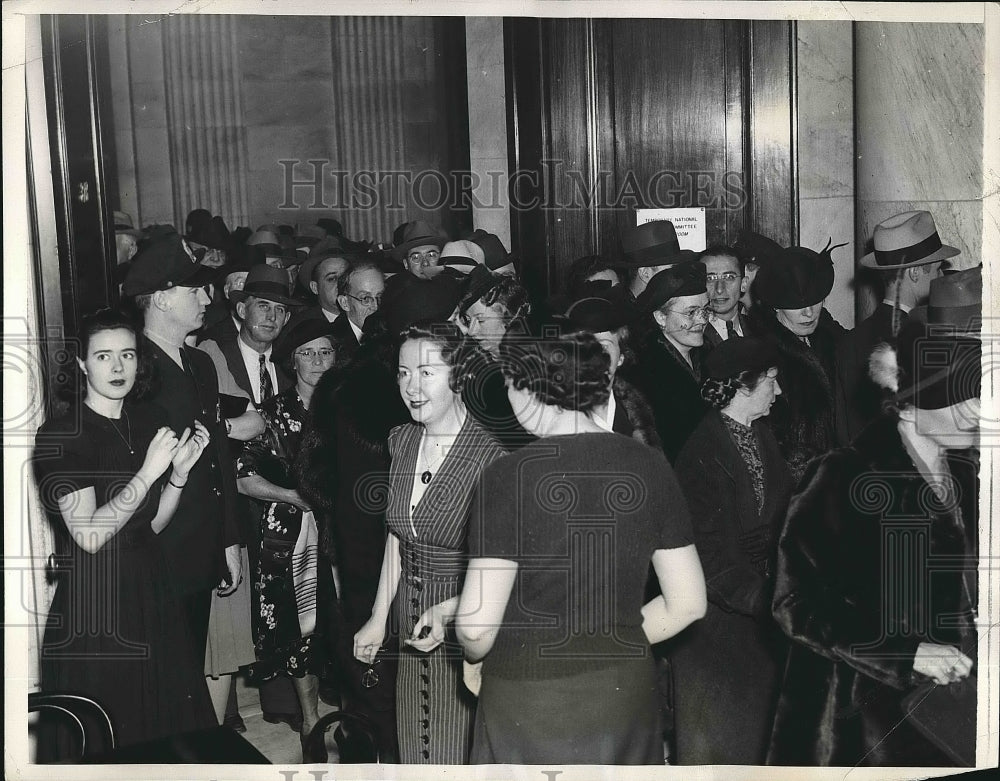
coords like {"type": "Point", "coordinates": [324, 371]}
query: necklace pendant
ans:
{"type": "Point", "coordinates": [425, 478]}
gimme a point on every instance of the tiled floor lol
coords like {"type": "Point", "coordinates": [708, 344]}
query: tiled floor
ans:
{"type": "Point", "coordinates": [277, 742]}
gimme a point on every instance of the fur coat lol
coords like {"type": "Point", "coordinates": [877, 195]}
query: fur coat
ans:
{"type": "Point", "coordinates": [863, 533]}
{"type": "Point", "coordinates": [802, 417]}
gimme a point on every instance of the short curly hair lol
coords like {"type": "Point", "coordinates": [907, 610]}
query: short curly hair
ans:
{"type": "Point", "coordinates": [561, 366]}
{"type": "Point", "coordinates": [719, 393]}
{"type": "Point", "coordinates": [463, 355]}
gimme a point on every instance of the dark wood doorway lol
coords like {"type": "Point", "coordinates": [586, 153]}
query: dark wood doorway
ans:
{"type": "Point", "coordinates": [610, 115]}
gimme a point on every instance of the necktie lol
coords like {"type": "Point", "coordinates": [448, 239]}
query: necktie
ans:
{"type": "Point", "coordinates": [731, 329]}
{"type": "Point", "coordinates": [266, 387]}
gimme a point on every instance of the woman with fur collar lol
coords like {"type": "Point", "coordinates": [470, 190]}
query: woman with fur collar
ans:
{"type": "Point", "coordinates": [791, 287]}
{"type": "Point", "coordinates": [867, 523]}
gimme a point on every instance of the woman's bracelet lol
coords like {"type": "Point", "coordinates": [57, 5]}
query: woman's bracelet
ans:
{"type": "Point", "coordinates": [178, 487]}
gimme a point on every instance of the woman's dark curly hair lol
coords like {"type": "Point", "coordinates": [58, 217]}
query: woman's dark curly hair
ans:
{"type": "Point", "coordinates": [561, 366]}
{"type": "Point", "coordinates": [507, 291]}
{"type": "Point", "coordinates": [462, 354]}
{"type": "Point", "coordinates": [75, 388]}
{"type": "Point", "coordinates": [718, 393]}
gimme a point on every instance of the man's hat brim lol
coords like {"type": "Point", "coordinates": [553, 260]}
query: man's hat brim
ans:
{"type": "Point", "coordinates": [945, 252]}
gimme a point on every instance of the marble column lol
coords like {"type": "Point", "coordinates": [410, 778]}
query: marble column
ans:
{"type": "Point", "coordinates": [825, 125]}
{"type": "Point", "coordinates": [919, 135]}
{"type": "Point", "coordinates": [488, 125]}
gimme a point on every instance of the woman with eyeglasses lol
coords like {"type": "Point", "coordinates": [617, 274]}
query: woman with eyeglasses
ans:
{"type": "Point", "coordinates": [437, 460]}
{"type": "Point", "coordinates": [791, 287]}
{"type": "Point", "coordinates": [737, 486]}
{"type": "Point", "coordinates": [675, 307]}
{"type": "Point", "coordinates": [289, 581]}
{"type": "Point", "coordinates": [110, 473]}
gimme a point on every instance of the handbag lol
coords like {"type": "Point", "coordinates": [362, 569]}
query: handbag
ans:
{"type": "Point", "coordinates": [946, 716]}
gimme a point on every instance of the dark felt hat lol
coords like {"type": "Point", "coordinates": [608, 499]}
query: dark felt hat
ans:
{"type": "Point", "coordinates": [268, 282]}
{"type": "Point", "coordinates": [957, 299]}
{"type": "Point", "coordinates": [735, 356]}
{"type": "Point", "coordinates": [795, 278]}
{"type": "Point", "coordinates": [329, 247]}
{"type": "Point", "coordinates": [211, 233]}
{"type": "Point", "coordinates": [938, 370]}
{"type": "Point", "coordinates": [300, 332]}
{"type": "Point", "coordinates": [495, 255]}
{"type": "Point", "coordinates": [124, 225]}
{"type": "Point", "coordinates": [197, 221]}
{"type": "Point", "coordinates": [164, 261]}
{"type": "Point", "coordinates": [652, 244]}
{"type": "Point", "coordinates": [684, 279]}
{"type": "Point", "coordinates": [600, 307]}
{"type": "Point", "coordinates": [416, 234]}
{"type": "Point", "coordinates": [309, 235]}
{"type": "Point", "coordinates": [331, 226]}
{"type": "Point", "coordinates": [756, 248]}
{"type": "Point", "coordinates": [408, 300]}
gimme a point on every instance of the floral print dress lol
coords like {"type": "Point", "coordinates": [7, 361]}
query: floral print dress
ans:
{"type": "Point", "coordinates": [285, 579]}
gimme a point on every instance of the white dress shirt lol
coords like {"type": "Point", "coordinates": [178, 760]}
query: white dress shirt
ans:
{"type": "Point", "coordinates": [251, 359]}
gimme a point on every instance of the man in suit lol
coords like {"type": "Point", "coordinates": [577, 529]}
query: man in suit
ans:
{"type": "Point", "coordinates": [327, 261]}
{"type": "Point", "coordinates": [263, 306]}
{"type": "Point", "coordinates": [360, 295]}
{"type": "Point", "coordinates": [726, 283]}
{"type": "Point", "coordinates": [244, 367]}
{"type": "Point", "coordinates": [202, 541]}
{"type": "Point", "coordinates": [908, 253]}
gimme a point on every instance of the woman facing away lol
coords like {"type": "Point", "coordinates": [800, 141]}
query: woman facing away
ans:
{"type": "Point", "coordinates": [437, 460]}
{"type": "Point", "coordinates": [111, 472]}
{"type": "Point", "coordinates": [737, 486]}
{"type": "Point", "coordinates": [865, 525]}
{"type": "Point", "coordinates": [561, 535]}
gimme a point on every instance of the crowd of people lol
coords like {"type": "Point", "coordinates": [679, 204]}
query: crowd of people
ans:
{"type": "Point", "coordinates": [666, 513]}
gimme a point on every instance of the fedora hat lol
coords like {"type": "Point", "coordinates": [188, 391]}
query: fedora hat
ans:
{"type": "Point", "coordinates": [495, 255]}
{"type": "Point", "coordinates": [795, 277]}
{"type": "Point", "coordinates": [266, 282]}
{"type": "Point", "coordinates": [329, 247]}
{"type": "Point", "coordinates": [957, 299]}
{"type": "Point", "coordinates": [653, 244]}
{"type": "Point", "coordinates": [196, 221]}
{"type": "Point", "coordinates": [416, 234]}
{"type": "Point", "coordinates": [756, 248]}
{"type": "Point", "coordinates": [599, 308]}
{"type": "Point", "coordinates": [309, 235]}
{"type": "Point", "coordinates": [212, 234]}
{"type": "Point", "coordinates": [124, 225]}
{"type": "Point", "coordinates": [463, 255]}
{"type": "Point", "coordinates": [904, 240]}
{"type": "Point", "coordinates": [683, 279]}
{"type": "Point", "coordinates": [164, 261]}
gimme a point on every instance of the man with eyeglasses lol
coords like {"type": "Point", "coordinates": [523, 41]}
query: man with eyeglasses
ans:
{"type": "Point", "coordinates": [360, 287]}
{"type": "Point", "coordinates": [726, 283]}
{"type": "Point", "coordinates": [669, 367]}
{"type": "Point", "coordinates": [419, 245]}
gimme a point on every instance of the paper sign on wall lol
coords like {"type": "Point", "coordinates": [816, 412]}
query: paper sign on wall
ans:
{"type": "Point", "coordinates": [689, 224]}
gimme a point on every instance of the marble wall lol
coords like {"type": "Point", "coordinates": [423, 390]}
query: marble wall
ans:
{"type": "Point", "coordinates": [488, 124]}
{"type": "Point", "coordinates": [825, 114]}
{"type": "Point", "coordinates": [920, 96]}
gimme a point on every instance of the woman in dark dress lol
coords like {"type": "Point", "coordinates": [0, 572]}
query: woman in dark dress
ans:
{"type": "Point", "coordinates": [289, 584]}
{"type": "Point", "coordinates": [867, 526]}
{"type": "Point", "coordinates": [552, 615]}
{"type": "Point", "coordinates": [791, 287]}
{"type": "Point", "coordinates": [111, 472]}
{"type": "Point", "coordinates": [737, 486]}
{"type": "Point", "coordinates": [436, 463]}
{"type": "Point", "coordinates": [491, 304]}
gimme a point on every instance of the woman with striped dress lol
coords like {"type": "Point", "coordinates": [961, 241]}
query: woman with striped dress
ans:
{"type": "Point", "coordinates": [436, 464]}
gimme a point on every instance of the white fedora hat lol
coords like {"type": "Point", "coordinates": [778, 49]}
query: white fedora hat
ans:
{"type": "Point", "coordinates": [907, 239]}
